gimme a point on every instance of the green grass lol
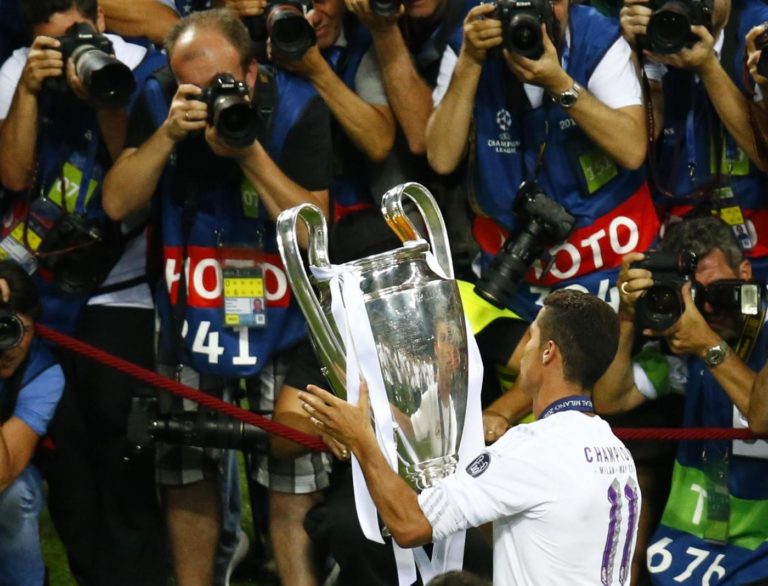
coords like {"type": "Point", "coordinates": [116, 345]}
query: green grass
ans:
{"type": "Point", "coordinates": [251, 572]}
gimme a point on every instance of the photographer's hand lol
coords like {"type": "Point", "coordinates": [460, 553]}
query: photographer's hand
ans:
{"type": "Point", "coordinates": [634, 17]}
{"type": "Point", "coordinates": [753, 55]}
{"type": "Point", "coordinates": [545, 71]}
{"type": "Point", "coordinates": [245, 7]}
{"type": "Point", "coordinates": [185, 115]}
{"type": "Point", "coordinates": [632, 283]}
{"type": "Point", "coordinates": [375, 22]}
{"type": "Point", "coordinates": [698, 58]}
{"type": "Point", "coordinates": [310, 65]}
{"type": "Point", "coordinates": [691, 334]}
{"type": "Point", "coordinates": [44, 60]}
{"type": "Point", "coordinates": [480, 33]}
{"type": "Point", "coordinates": [221, 148]}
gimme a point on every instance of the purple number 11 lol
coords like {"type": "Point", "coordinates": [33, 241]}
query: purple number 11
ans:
{"type": "Point", "coordinates": [615, 497]}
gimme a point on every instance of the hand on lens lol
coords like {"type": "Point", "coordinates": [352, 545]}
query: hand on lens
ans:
{"type": "Point", "coordinates": [44, 60]}
{"type": "Point", "coordinates": [545, 71]}
{"type": "Point", "coordinates": [632, 283]}
{"type": "Point", "coordinates": [634, 17]}
{"type": "Point", "coordinates": [694, 58]}
{"type": "Point", "coordinates": [246, 7]}
{"type": "Point", "coordinates": [481, 32]}
{"type": "Point", "coordinates": [754, 53]}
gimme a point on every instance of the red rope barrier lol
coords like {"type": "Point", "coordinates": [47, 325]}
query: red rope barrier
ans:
{"type": "Point", "coordinates": [313, 443]}
{"type": "Point", "coordinates": [161, 382]}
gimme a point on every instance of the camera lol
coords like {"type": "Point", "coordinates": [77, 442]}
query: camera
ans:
{"type": "Point", "coordinates": [669, 28]}
{"type": "Point", "coordinates": [385, 7]}
{"type": "Point", "coordinates": [109, 82]}
{"type": "Point", "coordinates": [661, 305]}
{"type": "Point", "coordinates": [521, 25]}
{"type": "Point", "coordinates": [761, 42]}
{"type": "Point", "coordinates": [229, 110]}
{"type": "Point", "coordinates": [544, 223]}
{"type": "Point", "coordinates": [732, 297]}
{"type": "Point", "coordinates": [288, 28]}
{"type": "Point", "coordinates": [11, 329]}
{"type": "Point", "coordinates": [203, 428]}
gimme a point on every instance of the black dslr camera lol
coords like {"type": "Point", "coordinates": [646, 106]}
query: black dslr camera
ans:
{"type": "Point", "coordinates": [521, 22]}
{"type": "Point", "coordinates": [11, 329]}
{"type": "Point", "coordinates": [544, 223]}
{"type": "Point", "coordinates": [109, 82]}
{"type": "Point", "coordinates": [204, 428]}
{"type": "Point", "coordinates": [284, 22]}
{"type": "Point", "coordinates": [669, 29]}
{"type": "Point", "coordinates": [229, 110]}
{"type": "Point", "coordinates": [661, 305]}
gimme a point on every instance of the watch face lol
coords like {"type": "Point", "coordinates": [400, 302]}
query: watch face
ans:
{"type": "Point", "coordinates": [715, 355]}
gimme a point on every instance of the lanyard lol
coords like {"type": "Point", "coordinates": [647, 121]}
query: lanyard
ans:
{"type": "Point", "coordinates": [571, 403]}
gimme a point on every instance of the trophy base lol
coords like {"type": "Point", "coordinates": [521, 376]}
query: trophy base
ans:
{"type": "Point", "coordinates": [425, 474]}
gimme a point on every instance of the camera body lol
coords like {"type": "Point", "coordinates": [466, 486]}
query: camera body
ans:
{"type": "Point", "coordinates": [544, 223]}
{"type": "Point", "coordinates": [288, 28]}
{"type": "Point", "coordinates": [521, 22]}
{"type": "Point", "coordinates": [230, 111]}
{"type": "Point", "coordinates": [661, 305]}
{"type": "Point", "coordinates": [109, 82]}
{"type": "Point", "coordinates": [669, 28]}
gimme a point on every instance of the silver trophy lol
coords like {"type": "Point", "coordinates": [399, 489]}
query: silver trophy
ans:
{"type": "Point", "coordinates": [417, 322]}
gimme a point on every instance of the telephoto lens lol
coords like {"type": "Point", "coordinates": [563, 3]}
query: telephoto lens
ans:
{"type": "Point", "coordinates": [761, 42]}
{"type": "Point", "coordinates": [669, 28]}
{"type": "Point", "coordinates": [230, 111]}
{"type": "Point", "coordinates": [11, 329]}
{"type": "Point", "coordinates": [110, 83]}
{"type": "Point", "coordinates": [385, 7]}
{"type": "Point", "coordinates": [289, 30]}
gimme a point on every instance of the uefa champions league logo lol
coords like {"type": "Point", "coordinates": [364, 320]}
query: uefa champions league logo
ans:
{"type": "Point", "coordinates": [504, 119]}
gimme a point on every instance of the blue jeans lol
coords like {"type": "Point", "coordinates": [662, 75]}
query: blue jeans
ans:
{"type": "Point", "coordinates": [21, 559]}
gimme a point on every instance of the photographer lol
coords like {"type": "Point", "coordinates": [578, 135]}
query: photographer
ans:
{"type": "Point", "coordinates": [568, 115]}
{"type": "Point", "coordinates": [704, 136]}
{"type": "Point", "coordinates": [219, 190]}
{"type": "Point", "coordinates": [715, 347]}
{"type": "Point", "coordinates": [31, 384]}
{"type": "Point", "coordinates": [64, 105]}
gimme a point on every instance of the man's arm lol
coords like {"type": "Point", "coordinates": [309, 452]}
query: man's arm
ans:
{"type": "Point", "coordinates": [395, 501]}
{"type": "Point", "coordinates": [19, 129]}
{"type": "Point", "coordinates": [132, 180]}
{"type": "Point", "coordinates": [447, 134]}
{"type": "Point", "coordinates": [16, 448]}
{"type": "Point", "coordinates": [758, 405]}
{"type": "Point", "coordinates": [619, 132]}
{"type": "Point", "coordinates": [616, 391]}
{"type": "Point", "coordinates": [370, 127]}
{"type": "Point", "coordinates": [139, 18]}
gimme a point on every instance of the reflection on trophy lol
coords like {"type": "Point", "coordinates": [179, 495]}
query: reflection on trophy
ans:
{"type": "Point", "coordinates": [416, 319]}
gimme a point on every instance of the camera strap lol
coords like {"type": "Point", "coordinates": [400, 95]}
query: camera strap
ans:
{"type": "Point", "coordinates": [265, 100]}
{"type": "Point", "coordinates": [750, 330]}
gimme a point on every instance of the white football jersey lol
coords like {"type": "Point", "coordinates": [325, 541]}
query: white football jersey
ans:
{"type": "Point", "coordinates": [563, 496]}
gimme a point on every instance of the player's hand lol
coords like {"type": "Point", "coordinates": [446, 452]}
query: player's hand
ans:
{"type": "Point", "coordinates": [346, 423]}
{"type": "Point", "coordinates": [44, 61]}
{"type": "Point", "coordinates": [494, 425]}
{"type": "Point", "coordinates": [634, 17]}
{"type": "Point", "coordinates": [186, 113]}
{"type": "Point", "coordinates": [481, 32]}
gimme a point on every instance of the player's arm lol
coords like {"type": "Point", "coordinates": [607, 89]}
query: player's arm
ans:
{"type": "Point", "coordinates": [395, 501]}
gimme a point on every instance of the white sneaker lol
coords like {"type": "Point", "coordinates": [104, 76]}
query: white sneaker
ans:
{"type": "Point", "coordinates": [243, 545]}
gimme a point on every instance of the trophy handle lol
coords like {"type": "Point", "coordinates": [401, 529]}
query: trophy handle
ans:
{"type": "Point", "coordinates": [392, 209]}
{"type": "Point", "coordinates": [329, 348]}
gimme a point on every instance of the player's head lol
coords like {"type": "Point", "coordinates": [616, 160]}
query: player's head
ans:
{"type": "Point", "coordinates": [583, 329]}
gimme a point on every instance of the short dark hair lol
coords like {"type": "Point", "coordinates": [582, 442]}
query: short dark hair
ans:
{"type": "Point", "coordinates": [585, 329]}
{"type": "Point", "coordinates": [24, 298]}
{"type": "Point", "coordinates": [702, 235]}
{"type": "Point", "coordinates": [34, 12]}
{"type": "Point", "coordinates": [223, 20]}
{"type": "Point", "coordinates": [458, 578]}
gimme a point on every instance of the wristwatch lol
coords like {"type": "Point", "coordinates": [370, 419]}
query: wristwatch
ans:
{"type": "Point", "coordinates": [568, 98]}
{"type": "Point", "coordinates": [716, 354]}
